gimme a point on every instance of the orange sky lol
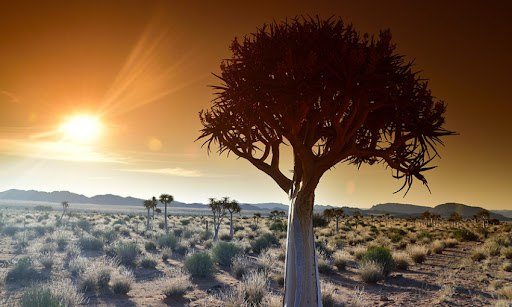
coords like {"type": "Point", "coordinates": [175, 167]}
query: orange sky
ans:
{"type": "Point", "coordinates": [144, 68]}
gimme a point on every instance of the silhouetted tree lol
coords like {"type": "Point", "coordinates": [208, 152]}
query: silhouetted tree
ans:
{"type": "Point", "coordinates": [332, 95]}
{"type": "Point", "coordinates": [233, 207]}
{"type": "Point", "coordinates": [219, 211]}
{"type": "Point", "coordinates": [166, 199]}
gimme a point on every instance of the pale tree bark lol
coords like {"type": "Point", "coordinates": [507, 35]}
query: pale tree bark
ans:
{"type": "Point", "coordinates": [302, 282]}
{"type": "Point", "coordinates": [165, 218]}
{"type": "Point", "coordinates": [147, 225]}
{"type": "Point", "coordinates": [231, 232]}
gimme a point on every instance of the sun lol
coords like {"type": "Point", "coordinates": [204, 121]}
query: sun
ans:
{"type": "Point", "coordinates": [81, 128]}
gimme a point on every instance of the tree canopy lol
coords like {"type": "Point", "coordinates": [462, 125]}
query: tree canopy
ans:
{"type": "Point", "coordinates": [332, 94]}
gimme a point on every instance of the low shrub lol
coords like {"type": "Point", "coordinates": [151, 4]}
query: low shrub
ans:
{"type": "Point", "coordinates": [478, 254]}
{"type": "Point", "coordinates": [23, 270]}
{"type": "Point", "coordinates": [199, 265]}
{"type": "Point", "coordinates": [507, 267]}
{"type": "Point", "coordinates": [278, 226]}
{"type": "Point", "coordinates": [371, 271]}
{"type": "Point", "coordinates": [319, 220]}
{"type": "Point", "coordinates": [177, 285]}
{"type": "Point", "coordinates": [240, 265]}
{"type": "Point", "coordinates": [401, 260]}
{"type": "Point", "coordinates": [90, 243]}
{"type": "Point", "coordinates": [223, 253]}
{"type": "Point", "coordinates": [84, 225]}
{"type": "Point", "coordinates": [507, 252]}
{"type": "Point", "coordinates": [122, 282]}
{"type": "Point", "coordinates": [168, 240]}
{"type": "Point", "coordinates": [328, 294]}
{"type": "Point", "coordinates": [46, 259]}
{"type": "Point", "coordinates": [380, 255]}
{"type": "Point", "coordinates": [464, 235]}
{"type": "Point", "coordinates": [127, 253]}
{"type": "Point", "coordinates": [438, 246]}
{"type": "Point", "coordinates": [225, 236]}
{"type": "Point", "coordinates": [417, 253]}
{"type": "Point", "coordinates": [166, 253]}
{"type": "Point", "coordinates": [150, 246]}
{"type": "Point", "coordinates": [39, 296]}
{"type": "Point", "coordinates": [254, 287]}
{"type": "Point", "coordinates": [263, 242]}
{"type": "Point", "coordinates": [148, 262]}
{"type": "Point", "coordinates": [10, 230]}
{"type": "Point", "coordinates": [324, 267]}
{"type": "Point", "coordinates": [340, 260]}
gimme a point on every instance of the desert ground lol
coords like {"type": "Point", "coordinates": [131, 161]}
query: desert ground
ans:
{"type": "Point", "coordinates": [99, 258]}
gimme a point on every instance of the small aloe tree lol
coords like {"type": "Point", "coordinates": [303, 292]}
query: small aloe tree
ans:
{"type": "Point", "coordinates": [335, 213]}
{"type": "Point", "coordinates": [219, 211]}
{"type": "Point", "coordinates": [166, 199]}
{"type": "Point", "coordinates": [148, 204]}
{"type": "Point", "coordinates": [233, 207]}
{"type": "Point", "coordinates": [65, 206]}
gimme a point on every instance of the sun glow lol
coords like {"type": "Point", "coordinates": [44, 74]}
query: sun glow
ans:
{"type": "Point", "coordinates": [81, 128]}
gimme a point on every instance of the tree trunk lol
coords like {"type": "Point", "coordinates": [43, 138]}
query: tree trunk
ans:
{"type": "Point", "coordinates": [165, 219]}
{"type": "Point", "coordinates": [147, 225]}
{"type": "Point", "coordinates": [337, 224]}
{"type": "Point", "coordinates": [215, 228]}
{"type": "Point", "coordinates": [302, 283]}
{"type": "Point", "coordinates": [231, 232]}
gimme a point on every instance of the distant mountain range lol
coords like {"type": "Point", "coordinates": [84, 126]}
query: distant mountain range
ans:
{"type": "Point", "coordinates": [444, 210]}
{"type": "Point", "coordinates": [394, 209]}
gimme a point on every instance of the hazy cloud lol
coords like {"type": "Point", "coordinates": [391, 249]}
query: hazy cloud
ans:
{"type": "Point", "coordinates": [177, 171]}
{"type": "Point", "coordinates": [55, 150]}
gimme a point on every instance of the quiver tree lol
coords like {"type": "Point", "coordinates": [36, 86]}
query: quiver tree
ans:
{"type": "Point", "coordinates": [65, 206]}
{"type": "Point", "coordinates": [219, 211]}
{"type": "Point", "coordinates": [149, 204]}
{"type": "Point", "coordinates": [231, 206]}
{"type": "Point", "coordinates": [455, 218]}
{"type": "Point", "coordinates": [335, 213]}
{"type": "Point", "coordinates": [166, 199]}
{"type": "Point", "coordinates": [256, 216]}
{"type": "Point", "coordinates": [333, 96]}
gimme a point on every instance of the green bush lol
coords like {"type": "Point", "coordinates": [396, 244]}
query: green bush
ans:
{"type": "Point", "coordinates": [84, 224]}
{"type": "Point", "coordinates": [223, 253]}
{"type": "Point", "coordinates": [464, 235]}
{"type": "Point", "coordinates": [319, 220]}
{"type": "Point", "coordinates": [380, 255]}
{"type": "Point", "coordinates": [150, 246]}
{"type": "Point", "coordinates": [278, 226]}
{"type": "Point", "coordinates": [263, 242]}
{"type": "Point", "coordinates": [168, 240]}
{"type": "Point", "coordinates": [109, 235]}
{"type": "Point", "coordinates": [127, 253]}
{"type": "Point", "coordinates": [148, 263]}
{"type": "Point", "coordinates": [10, 230]}
{"type": "Point", "coordinates": [22, 271]}
{"type": "Point", "coordinates": [199, 265]}
{"type": "Point", "coordinates": [225, 237]}
{"type": "Point", "coordinates": [90, 243]}
{"type": "Point", "coordinates": [39, 296]}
